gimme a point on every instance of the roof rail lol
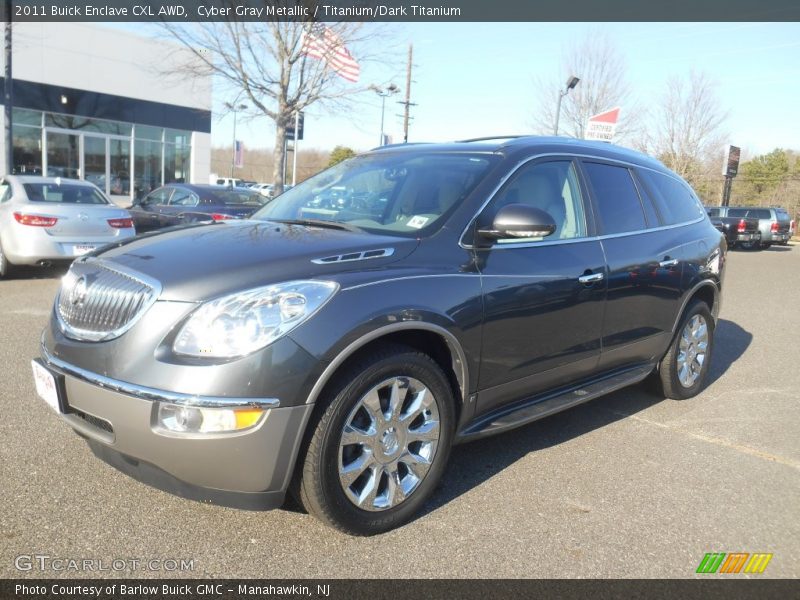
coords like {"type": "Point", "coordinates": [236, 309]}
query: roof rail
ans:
{"type": "Point", "coordinates": [400, 145]}
{"type": "Point", "coordinates": [492, 137]}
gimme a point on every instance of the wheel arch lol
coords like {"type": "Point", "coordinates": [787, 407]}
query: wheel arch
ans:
{"type": "Point", "coordinates": [435, 341]}
{"type": "Point", "coordinates": [706, 291]}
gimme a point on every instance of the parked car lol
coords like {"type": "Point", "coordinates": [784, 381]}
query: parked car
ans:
{"type": "Point", "coordinates": [339, 355]}
{"type": "Point", "coordinates": [265, 189]}
{"type": "Point", "coordinates": [182, 203]}
{"type": "Point", "coordinates": [739, 231]}
{"type": "Point", "coordinates": [47, 220]}
{"type": "Point", "coordinates": [773, 222]}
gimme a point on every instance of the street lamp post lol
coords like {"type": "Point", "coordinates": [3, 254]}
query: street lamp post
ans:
{"type": "Point", "coordinates": [571, 83]}
{"type": "Point", "coordinates": [390, 90]}
{"type": "Point", "coordinates": [234, 108]}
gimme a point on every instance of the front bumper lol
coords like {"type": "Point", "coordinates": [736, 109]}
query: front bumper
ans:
{"type": "Point", "coordinates": [247, 469]}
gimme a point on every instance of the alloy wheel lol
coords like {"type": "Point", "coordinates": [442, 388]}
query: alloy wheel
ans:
{"type": "Point", "coordinates": [692, 350]}
{"type": "Point", "coordinates": [388, 443]}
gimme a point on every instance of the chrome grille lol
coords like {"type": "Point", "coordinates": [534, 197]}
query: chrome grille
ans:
{"type": "Point", "coordinates": [100, 302]}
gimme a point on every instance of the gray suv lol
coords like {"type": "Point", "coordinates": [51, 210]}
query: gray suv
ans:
{"type": "Point", "coordinates": [337, 344]}
{"type": "Point", "coordinates": [773, 222]}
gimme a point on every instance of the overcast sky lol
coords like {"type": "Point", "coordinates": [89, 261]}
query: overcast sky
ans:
{"type": "Point", "coordinates": [476, 79]}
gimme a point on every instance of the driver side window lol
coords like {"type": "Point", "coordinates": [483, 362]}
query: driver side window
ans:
{"type": "Point", "coordinates": [552, 187]}
{"type": "Point", "coordinates": [160, 196]}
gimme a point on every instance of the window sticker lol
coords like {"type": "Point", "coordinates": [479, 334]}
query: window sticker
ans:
{"type": "Point", "coordinates": [417, 222]}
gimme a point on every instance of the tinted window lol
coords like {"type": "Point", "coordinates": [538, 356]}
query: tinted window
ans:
{"type": "Point", "coordinates": [68, 193]}
{"type": "Point", "coordinates": [782, 215]}
{"type": "Point", "coordinates": [750, 213]}
{"type": "Point", "coordinates": [674, 199]}
{"type": "Point", "coordinates": [183, 198]}
{"type": "Point", "coordinates": [618, 206]}
{"type": "Point", "coordinates": [552, 187]}
{"type": "Point", "coordinates": [160, 196]}
{"type": "Point", "coordinates": [713, 212]}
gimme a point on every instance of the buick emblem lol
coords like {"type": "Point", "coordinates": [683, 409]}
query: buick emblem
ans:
{"type": "Point", "coordinates": [78, 293]}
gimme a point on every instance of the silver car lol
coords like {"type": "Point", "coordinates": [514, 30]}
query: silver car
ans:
{"type": "Point", "coordinates": [46, 219]}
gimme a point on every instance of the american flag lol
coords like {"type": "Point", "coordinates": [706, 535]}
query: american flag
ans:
{"type": "Point", "coordinates": [321, 42]}
{"type": "Point", "coordinates": [238, 153]}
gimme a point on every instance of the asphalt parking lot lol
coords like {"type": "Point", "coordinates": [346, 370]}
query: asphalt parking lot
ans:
{"type": "Point", "coordinates": [626, 486]}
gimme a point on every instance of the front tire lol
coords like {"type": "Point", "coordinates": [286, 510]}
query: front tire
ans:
{"type": "Point", "coordinates": [380, 443]}
{"type": "Point", "coordinates": [684, 369]}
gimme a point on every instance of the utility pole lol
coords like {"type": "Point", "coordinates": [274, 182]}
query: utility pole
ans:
{"type": "Point", "coordinates": [407, 103]}
{"type": "Point", "coordinates": [8, 95]}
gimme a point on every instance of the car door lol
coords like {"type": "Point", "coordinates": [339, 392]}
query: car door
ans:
{"type": "Point", "coordinates": [146, 213]}
{"type": "Point", "coordinates": [543, 297]}
{"type": "Point", "coordinates": [645, 262]}
{"type": "Point", "coordinates": [181, 202]}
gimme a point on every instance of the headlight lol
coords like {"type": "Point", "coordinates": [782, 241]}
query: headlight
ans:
{"type": "Point", "coordinates": [244, 322]}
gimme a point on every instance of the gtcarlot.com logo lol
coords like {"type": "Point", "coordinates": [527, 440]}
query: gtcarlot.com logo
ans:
{"type": "Point", "coordinates": [45, 562]}
{"type": "Point", "coordinates": [734, 562]}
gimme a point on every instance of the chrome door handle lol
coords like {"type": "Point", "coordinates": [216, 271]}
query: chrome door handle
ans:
{"type": "Point", "coordinates": [591, 278]}
{"type": "Point", "coordinates": [668, 263]}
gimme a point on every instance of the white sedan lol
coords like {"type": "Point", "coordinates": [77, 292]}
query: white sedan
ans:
{"type": "Point", "coordinates": [45, 220]}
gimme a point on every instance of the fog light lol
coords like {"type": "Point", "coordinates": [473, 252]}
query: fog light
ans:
{"type": "Point", "coordinates": [195, 419]}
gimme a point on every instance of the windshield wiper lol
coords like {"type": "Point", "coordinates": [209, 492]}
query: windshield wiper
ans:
{"type": "Point", "coordinates": [318, 223]}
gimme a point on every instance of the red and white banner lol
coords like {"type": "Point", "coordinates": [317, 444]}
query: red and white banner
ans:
{"type": "Point", "coordinates": [603, 126]}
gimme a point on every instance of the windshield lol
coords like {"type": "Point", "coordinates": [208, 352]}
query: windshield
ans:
{"type": "Point", "coordinates": [65, 192]}
{"type": "Point", "coordinates": [397, 193]}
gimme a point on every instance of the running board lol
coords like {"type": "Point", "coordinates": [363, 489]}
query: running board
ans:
{"type": "Point", "coordinates": [528, 411]}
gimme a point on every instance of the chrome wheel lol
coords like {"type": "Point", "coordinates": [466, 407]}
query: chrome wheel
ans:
{"type": "Point", "coordinates": [388, 443]}
{"type": "Point", "coordinates": [692, 350]}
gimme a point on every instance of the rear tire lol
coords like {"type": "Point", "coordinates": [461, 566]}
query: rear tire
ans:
{"type": "Point", "coordinates": [6, 268]}
{"type": "Point", "coordinates": [684, 369]}
{"type": "Point", "coordinates": [369, 464]}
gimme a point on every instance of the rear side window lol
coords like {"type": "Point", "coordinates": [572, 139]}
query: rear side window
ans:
{"type": "Point", "coordinates": [713, 212]}
{"type": "Point", "coordinates": [65, 193]}
{"type": "Point", "coordinates": [619, 208]}
{"type": "Point", "coordinates": [673, 198]}
{"type": "Point", "coordinates": [782, 215]}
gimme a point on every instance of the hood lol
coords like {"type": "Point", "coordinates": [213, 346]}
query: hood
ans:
{"type": "Point", "coordinates": [202, 262]}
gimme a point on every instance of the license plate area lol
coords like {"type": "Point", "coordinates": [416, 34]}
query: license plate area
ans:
{"type": "Point", "coordinates": [81, 249]}
{"type": "Point", "coordinates": [50, 386]}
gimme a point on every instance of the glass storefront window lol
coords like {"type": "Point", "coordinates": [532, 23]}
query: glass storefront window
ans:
{"type": "Point", "coordinates": [146, 168]}
{"type": "Point", "coordinates": [120, 165]}
{"type": "Point", "coordinates": [176, 136]}
{"type": "Point", "coordinates": [176, 163]}
{"type": "Point", "coordinates": [27, 150]}
{"type": "Point", "coordinates": [146, 132]}
{"type": "Point", "coordinates": [23, 116]}
{"type": "Point", "coordinates": [87, 124]}
{"type": "Point", "coordinates": [63, 158]}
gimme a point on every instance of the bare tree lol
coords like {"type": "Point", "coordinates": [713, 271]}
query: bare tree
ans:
{"type": "Point", "coordinates": [687, 127]}
{"type": "Point", "coordinates": [262, 63]}
{"type": "Point", "coordinates": [603, 86]}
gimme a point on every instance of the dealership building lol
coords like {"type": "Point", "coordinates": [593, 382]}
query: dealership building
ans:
{"type": "Point", "coordinates": [102, 104]}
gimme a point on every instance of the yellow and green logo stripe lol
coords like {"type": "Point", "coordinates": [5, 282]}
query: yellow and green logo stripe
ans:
{"type": "Point", "coordinates": [734, 562]}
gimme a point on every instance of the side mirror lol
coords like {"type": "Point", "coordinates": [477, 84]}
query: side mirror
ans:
{"type": "Point", "coordinates": [519, 221]}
